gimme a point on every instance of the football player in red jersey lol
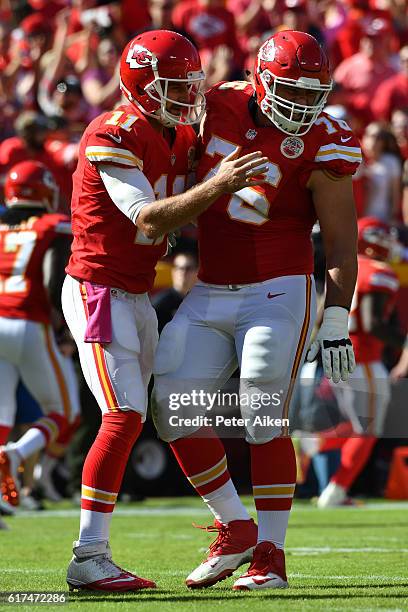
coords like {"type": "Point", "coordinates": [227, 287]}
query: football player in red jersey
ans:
{"type": "Point", "coordinates": [129, 192]}
{"type": "Point", "coordinates": [254, 304]}
{"type": "Point", "coordinates": [30, 230]}
{"type": "Point", "coordinates": [365, 396]}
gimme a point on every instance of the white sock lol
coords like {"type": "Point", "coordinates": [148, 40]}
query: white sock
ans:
{"type": "Point", "coordinates": [32, 441]}
{"type": "Point", "coordinates": [94, 527]}
{"type": "Point", "coordinates": [225, 504]}
{"type": "Point", "coordinates": [272, 526]}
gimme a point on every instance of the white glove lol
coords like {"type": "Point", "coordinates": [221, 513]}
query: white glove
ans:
{"type": "Point", "coordinates": [334, 342]}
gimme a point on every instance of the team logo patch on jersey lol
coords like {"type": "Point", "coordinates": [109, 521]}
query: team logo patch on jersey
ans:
{"type": "Point", "coordinates": [251, 134]}
{"type": "Point", "coordinates": [139, 57]}
{"type": "Point", "coordinates": [292, 147]}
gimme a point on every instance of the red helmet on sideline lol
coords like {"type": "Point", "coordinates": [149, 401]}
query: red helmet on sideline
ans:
{"type": "Point", "coordinates": [295, 60]}
{"type": "Point", "coordinates": [30, 184]}
{"type": "Point", "coordinates": [376, 239]}
{"type": "Point", "coordinates": [153, 60]}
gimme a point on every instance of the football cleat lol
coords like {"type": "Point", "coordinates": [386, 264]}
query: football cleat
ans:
{"type": "Point", "coordinates": [9, 463]}
{"type": "Point", "coordinates": [267, 570]}
{"type": "Point", "coordinates": [92, 568]}
{"type": "Point", "coordinates": [29, 502]}
{"type": "Point", "coordinates": [5, 507]}
{"type": "Point", "coordinates": [232, 547]}
{"type": "Point", "coordinates": [333, 495]}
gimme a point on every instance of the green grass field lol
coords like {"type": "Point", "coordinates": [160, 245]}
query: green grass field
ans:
{"type": "Point", "coordinates": [343, 559]}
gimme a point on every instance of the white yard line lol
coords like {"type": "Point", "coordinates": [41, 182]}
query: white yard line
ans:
{"type": "Point", "coordinates": [19, 570]}
{"type": "Point", "coordinates": [197, 510]}
{"type": "Point", "coordinates": [119, 511]}
{"type": "Point", "coordinates": [351, 577]}
{"type": "Point", "coordinates": [321, 577]}
{"type": "Point", "coordinates": [330, 549]}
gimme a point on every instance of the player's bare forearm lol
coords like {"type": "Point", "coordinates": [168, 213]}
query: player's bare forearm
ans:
{"type": "Point", "coordinates": [168, 214]}
{"type": "Point", "coordinates": [334, 204]}
{"type": "Point", "coordinates": [341, 276]}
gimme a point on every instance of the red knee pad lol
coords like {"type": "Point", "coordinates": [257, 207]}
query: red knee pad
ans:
{"type": "Point", "coordinates": [122, 429]}
{"type": "Point", "coordinates": [108, 456]}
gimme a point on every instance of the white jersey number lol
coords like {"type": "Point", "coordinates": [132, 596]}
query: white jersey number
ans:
{"type": "Point", "coordinates": [248, 204]}
{"type": "Point", "coordinates": [22, 244]}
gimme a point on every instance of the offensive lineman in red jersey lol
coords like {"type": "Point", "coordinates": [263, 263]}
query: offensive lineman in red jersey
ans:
{"type": "Point", "coordinates": [365, 396]}
{"type": "Point", "coordinates": [129, 192]}
{"type": "Point", "coordinates": [254, 304]}
{"type": "Point", "coordinates": [29, 229]}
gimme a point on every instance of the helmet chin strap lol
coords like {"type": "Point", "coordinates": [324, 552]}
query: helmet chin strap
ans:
{"type": "Point", "coordinates": [285, 124]}
{"type": "Point", "coordinates": [165, 120]}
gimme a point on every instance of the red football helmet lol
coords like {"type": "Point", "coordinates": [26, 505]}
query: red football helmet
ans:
{"type": "Point", "coordinates": [150, 63]}
{"type": "Point", "coordinates": [294, 60]}
{"type": "Point", "coordinates": [30, 184]}
{"type": "Point", "coordinates": [376, 239]}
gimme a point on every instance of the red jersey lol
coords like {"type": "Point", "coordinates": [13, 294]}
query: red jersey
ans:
{"type": "Point", "coordinates": [208, 26]}
{"type": "Point", "coordinates": [265, 231]}
{"type": "Point", "coordinates": [108, 249]}
{"type": "Point", "coordinates": [373, 277]}
{"type": "Point", "coordinates": [22, 251]}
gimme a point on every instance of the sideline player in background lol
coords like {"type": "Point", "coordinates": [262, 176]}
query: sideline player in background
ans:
{"type": "Point", "coordinates": [254, 304]}
{"type": "Point", "coordinates": [183, 276]}
{"type": "Point", "coordinates": [364, 398]}
{"type": "Point", "coordinates": [30, 233]}
{"type": "Point", "coordinates": [129, 191]}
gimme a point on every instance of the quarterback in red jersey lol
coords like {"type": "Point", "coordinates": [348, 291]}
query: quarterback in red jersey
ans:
{"type": "Point", "coordinates": [29, 229]}
{"type": "Point", "coordinates": [254, 304]}
{"type": "Point", "coordinates": [365, 396]}
{"type": "Point", "coordinates": [129, 191]}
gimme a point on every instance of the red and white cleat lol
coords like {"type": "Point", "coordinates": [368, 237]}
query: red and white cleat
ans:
{"type": "Point", "coordinates": [233, 547]}
{"type": "Point", "coordinates": [267, 570]}
{"type": "Point", "coordinates": [92, 568]}
{"type": "Point", "coordinates": [9, 463]}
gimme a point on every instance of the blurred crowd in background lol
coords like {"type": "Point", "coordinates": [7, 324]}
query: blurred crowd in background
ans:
{"type": "Point", "coordinates": [59, 68]}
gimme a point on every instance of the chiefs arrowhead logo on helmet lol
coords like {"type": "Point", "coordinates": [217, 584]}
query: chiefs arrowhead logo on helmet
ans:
{"type": "Point", "coordinates": [268, 51]}
{"type": "Point", "coordinates": [292, 81]}
{"type": "Point", "coordinates": [139, 57]}
{"type": "Point", "coordinates": [164, 61]}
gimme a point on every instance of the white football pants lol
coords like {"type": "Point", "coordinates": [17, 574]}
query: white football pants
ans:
{"type": "Point", "coordinates": [28, 351]}
{"type": "Point", "coordinates": [263, 328]}
{"type": "Point", "coordinates": [117, 373]}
